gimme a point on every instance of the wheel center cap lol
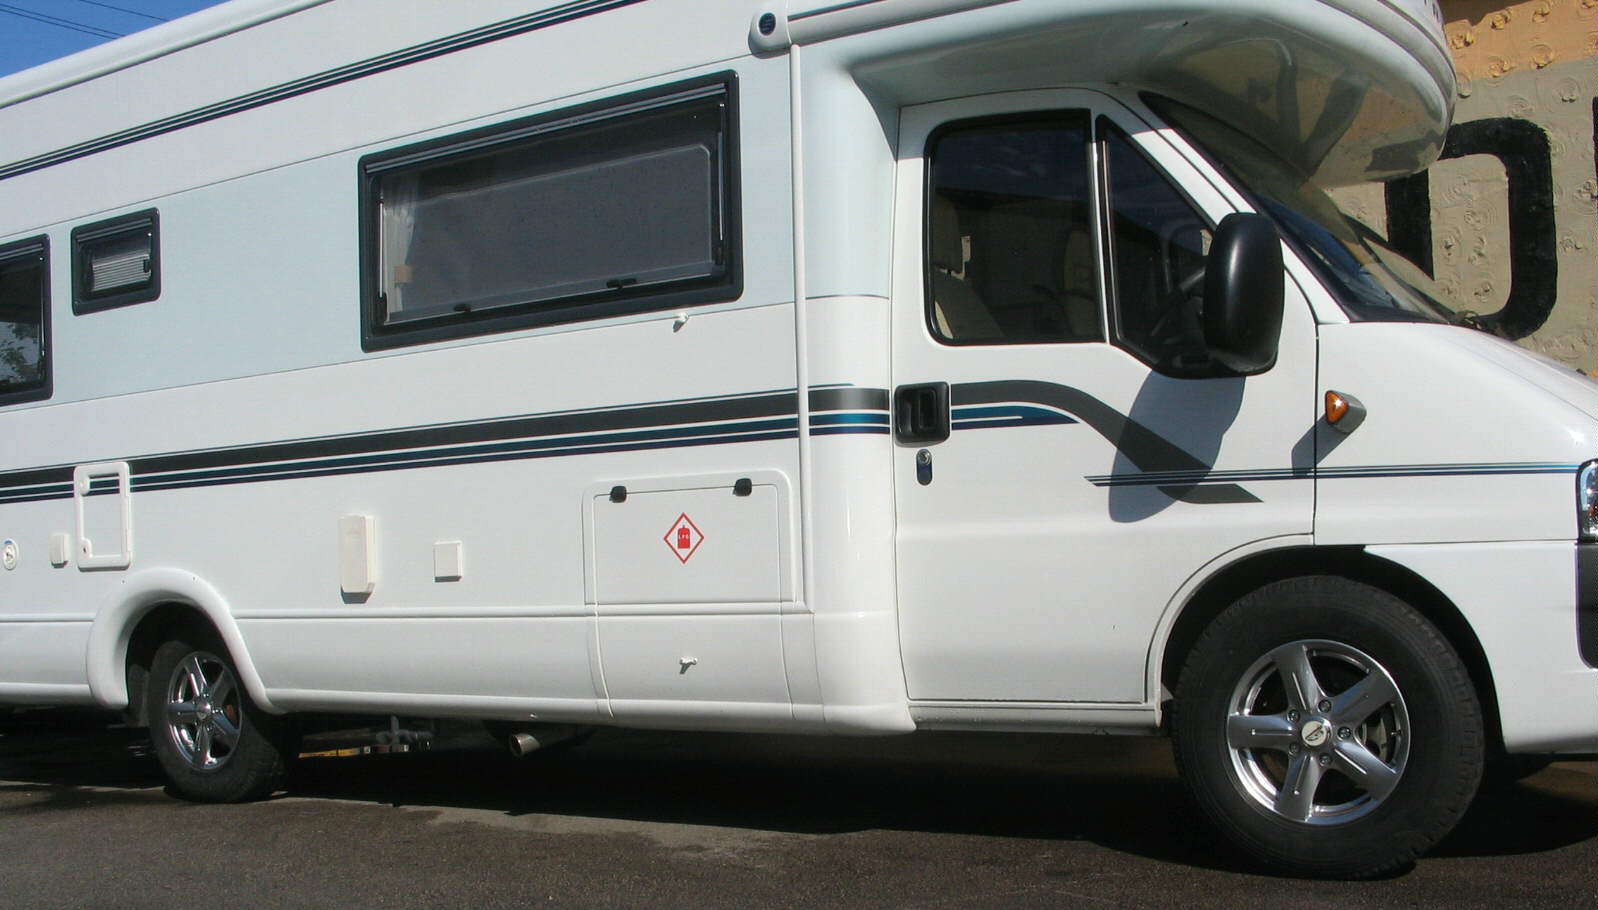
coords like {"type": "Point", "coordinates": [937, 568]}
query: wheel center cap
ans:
{"type": "Point", "coordinates": [203, 710]}
{"type": "Point", "coordinates": [1314, 732]}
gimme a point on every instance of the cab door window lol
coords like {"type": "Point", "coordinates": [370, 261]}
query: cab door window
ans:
{"type": "Point", "coordinates": [1009, 242]}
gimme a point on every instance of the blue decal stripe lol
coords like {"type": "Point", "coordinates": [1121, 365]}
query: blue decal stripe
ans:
{"type": "Point", "coordinates": [1006, 415]}
{"type": "Point", "coordinates": [870, 422]}
{"type": "Point", "coordinates": [1445, 470]}
{"type": "Point", "coordinates": [875, 418]}
{"type": "Point", "coordinates": [1343, 473]}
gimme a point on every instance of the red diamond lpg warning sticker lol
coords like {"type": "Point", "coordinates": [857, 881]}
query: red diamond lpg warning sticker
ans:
{"type": "Point", "coordinates": [684, 538]}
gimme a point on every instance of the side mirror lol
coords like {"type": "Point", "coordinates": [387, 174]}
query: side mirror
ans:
{"type": "Point", "coordinates": [1243, 294]}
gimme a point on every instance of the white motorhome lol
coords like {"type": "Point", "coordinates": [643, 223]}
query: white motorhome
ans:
{"type": "Point", "coordinates": [826, 367]}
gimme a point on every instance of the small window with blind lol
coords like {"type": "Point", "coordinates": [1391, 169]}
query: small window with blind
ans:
{"type": "Point", "coordinates": [610, 209]}
{"type": "Point", "coordinates": [116, 262]}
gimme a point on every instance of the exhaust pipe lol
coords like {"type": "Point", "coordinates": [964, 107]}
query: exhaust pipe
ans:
{"type": "Point", "coordinates": [526, 742]}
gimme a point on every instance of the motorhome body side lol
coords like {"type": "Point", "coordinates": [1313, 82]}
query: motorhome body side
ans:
{"type": "Point", "coordinates": [646, 461]}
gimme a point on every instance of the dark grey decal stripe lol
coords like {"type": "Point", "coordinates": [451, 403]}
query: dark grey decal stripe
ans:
{"type": "Point", "coordinates": [1354, 473]}
{"type": "Point", "coordinates": [1151, 478]}
{"type": "Point", "coordinates": [756, 416]}
{"type": "Point", "coordinates": [848, 398]}
{"type": "Point", "coordinates": [1177, 473]}
{"type": "Point", "coordinates": [1445, 470]}
{"type": "Point", "coordinates": [1364, 472]}
{"type": "Point", "coordinates": [836, 410]}
{"type": "Point", "coordinates": [1143, 447]}
{"type": "Point", "coordinates": [316, 82]}
{"type": "Point", "coordinates": [643, 416]}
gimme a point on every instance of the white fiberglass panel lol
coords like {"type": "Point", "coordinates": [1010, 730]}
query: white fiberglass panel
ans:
{"type": "Point", "coordinates": [684, 546]}
{"type": "Point", "coordinates": [1520, 601]}
{"type": "Point", "coordinates": [36, 652]}
{"type": "Point", "coordinates": [733, 659]}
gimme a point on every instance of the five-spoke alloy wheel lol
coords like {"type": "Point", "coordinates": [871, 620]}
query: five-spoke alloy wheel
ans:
{"type": "Point", "coordinates": [1327, 728]}
{"type": "Point", "coordinates": [1318, 731]}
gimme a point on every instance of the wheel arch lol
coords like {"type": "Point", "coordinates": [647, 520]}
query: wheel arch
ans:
{"type": "Point", "coordinates": [1258, 569]}
{"type": "Point", "coordinates": [134, 619]}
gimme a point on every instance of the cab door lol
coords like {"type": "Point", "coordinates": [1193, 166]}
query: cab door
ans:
{"type": "Point", "coordinates": [1067, 457]}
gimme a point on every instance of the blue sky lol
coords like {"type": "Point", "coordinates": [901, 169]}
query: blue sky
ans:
{"type": "Point", "coordinates": [34, 31]}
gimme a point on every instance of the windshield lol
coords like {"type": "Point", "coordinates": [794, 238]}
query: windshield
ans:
{"type": "Point", "coordinates": [1371, 280]}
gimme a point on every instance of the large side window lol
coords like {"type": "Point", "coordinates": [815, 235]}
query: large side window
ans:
{"type": "Point", "coordinates": [25, 321]}
{"type": "Point", "coordinates": [599, 211]}
{"type": "Point", "coordinates": [1156, 245]}
{"type": "Point", "coordinates": [1010, 251]}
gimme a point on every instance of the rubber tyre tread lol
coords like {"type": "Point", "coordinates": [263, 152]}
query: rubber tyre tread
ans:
{"type": "Point", "coordinates": [1445, 763]}
{"type": "Point", "coordinates": [260, 761]}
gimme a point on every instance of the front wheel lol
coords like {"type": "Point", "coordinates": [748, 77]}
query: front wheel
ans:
{"type": "Point", "coordinates": [212, 742]}
{"type": "Point", "coordinates": [1327, 728]}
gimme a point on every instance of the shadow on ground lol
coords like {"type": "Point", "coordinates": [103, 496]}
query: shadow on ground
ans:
{"type": "Point", "coordinates": [1119, 793]}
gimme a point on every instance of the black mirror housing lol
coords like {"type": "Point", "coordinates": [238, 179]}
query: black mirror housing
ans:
{"type": "Point", "coordinates": [1243, 290]}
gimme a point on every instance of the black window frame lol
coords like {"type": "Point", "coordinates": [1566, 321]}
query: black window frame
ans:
{"type": "Point", "coordinates": [85, 300]}
{"type": "Point", "coordinates": [622, 300]}
{"type": "Point", "coordinates": [39, 248]}
{"type": "Point", "coordinates": [1044, 115]}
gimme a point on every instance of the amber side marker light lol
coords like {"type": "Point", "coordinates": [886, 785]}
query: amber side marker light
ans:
{"type": "Point", "coordinates": [1344, 413]}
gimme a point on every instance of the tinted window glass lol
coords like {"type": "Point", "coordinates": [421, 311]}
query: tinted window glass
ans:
{"type": "Point", "coordinates": [24, 322]}
{"type": "Point", "coordinates": [1371, 280]}
{"type": "Point", "coordinates": [1009, 243]}
{"type": "Point", "coordinates": [1157, 244]}
{"type": "Point", "coordinates": [556, 219]}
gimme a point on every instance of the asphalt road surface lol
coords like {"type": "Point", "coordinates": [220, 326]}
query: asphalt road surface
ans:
{"type": "Point", "coordinates": [702, 821]}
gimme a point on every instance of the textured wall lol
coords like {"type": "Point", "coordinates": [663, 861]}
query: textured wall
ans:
{"type": "Point", "coordinates": [1509, 217]}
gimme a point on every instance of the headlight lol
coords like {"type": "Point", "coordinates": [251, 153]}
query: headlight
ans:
{"type": "Point", "coordinates": [1587, 502]}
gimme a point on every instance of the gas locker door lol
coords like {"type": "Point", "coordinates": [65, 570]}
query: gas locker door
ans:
{"type": "Point", "coordinates": [1066, 459]}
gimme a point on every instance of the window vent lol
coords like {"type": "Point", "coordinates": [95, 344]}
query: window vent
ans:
{"type": "Point", "coordinates": [116, 262]}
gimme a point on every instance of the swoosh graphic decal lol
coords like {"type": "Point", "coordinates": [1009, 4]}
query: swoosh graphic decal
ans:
{"type": "Point", "coordinates": [1151, 452]}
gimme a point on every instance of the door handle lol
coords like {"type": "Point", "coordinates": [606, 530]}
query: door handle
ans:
{"type": "Point", "coordinates": [921, 413]}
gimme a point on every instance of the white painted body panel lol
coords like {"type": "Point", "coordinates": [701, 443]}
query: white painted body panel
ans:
{"type": "Point", "coordinates": [1441, 417]}
{"type": "Point", "coordinates": [1035, 565]}
{"type": "Point", "coordinates": [1517, 598]}
{"type": "Point", "coordinates": [837, 602]}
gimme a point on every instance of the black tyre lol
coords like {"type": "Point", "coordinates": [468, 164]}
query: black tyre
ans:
{"type": "Point", "coordinates": [1509, 770]}
{"type": "Point", "coordinates": [212, 742]}
{"type": "Point", "coordinates": [1328, 729]}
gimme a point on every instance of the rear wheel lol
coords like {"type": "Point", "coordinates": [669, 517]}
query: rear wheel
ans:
{"type": "Point", "coordinates": [212, 742]}
{"type": "Point", "coordinates": [1327, 728]}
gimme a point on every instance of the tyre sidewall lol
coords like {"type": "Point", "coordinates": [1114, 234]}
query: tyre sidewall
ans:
{"type": "Point", "coordinates": [259, 760]}
{"type": "Point", "coordinates": [1444, 763]}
